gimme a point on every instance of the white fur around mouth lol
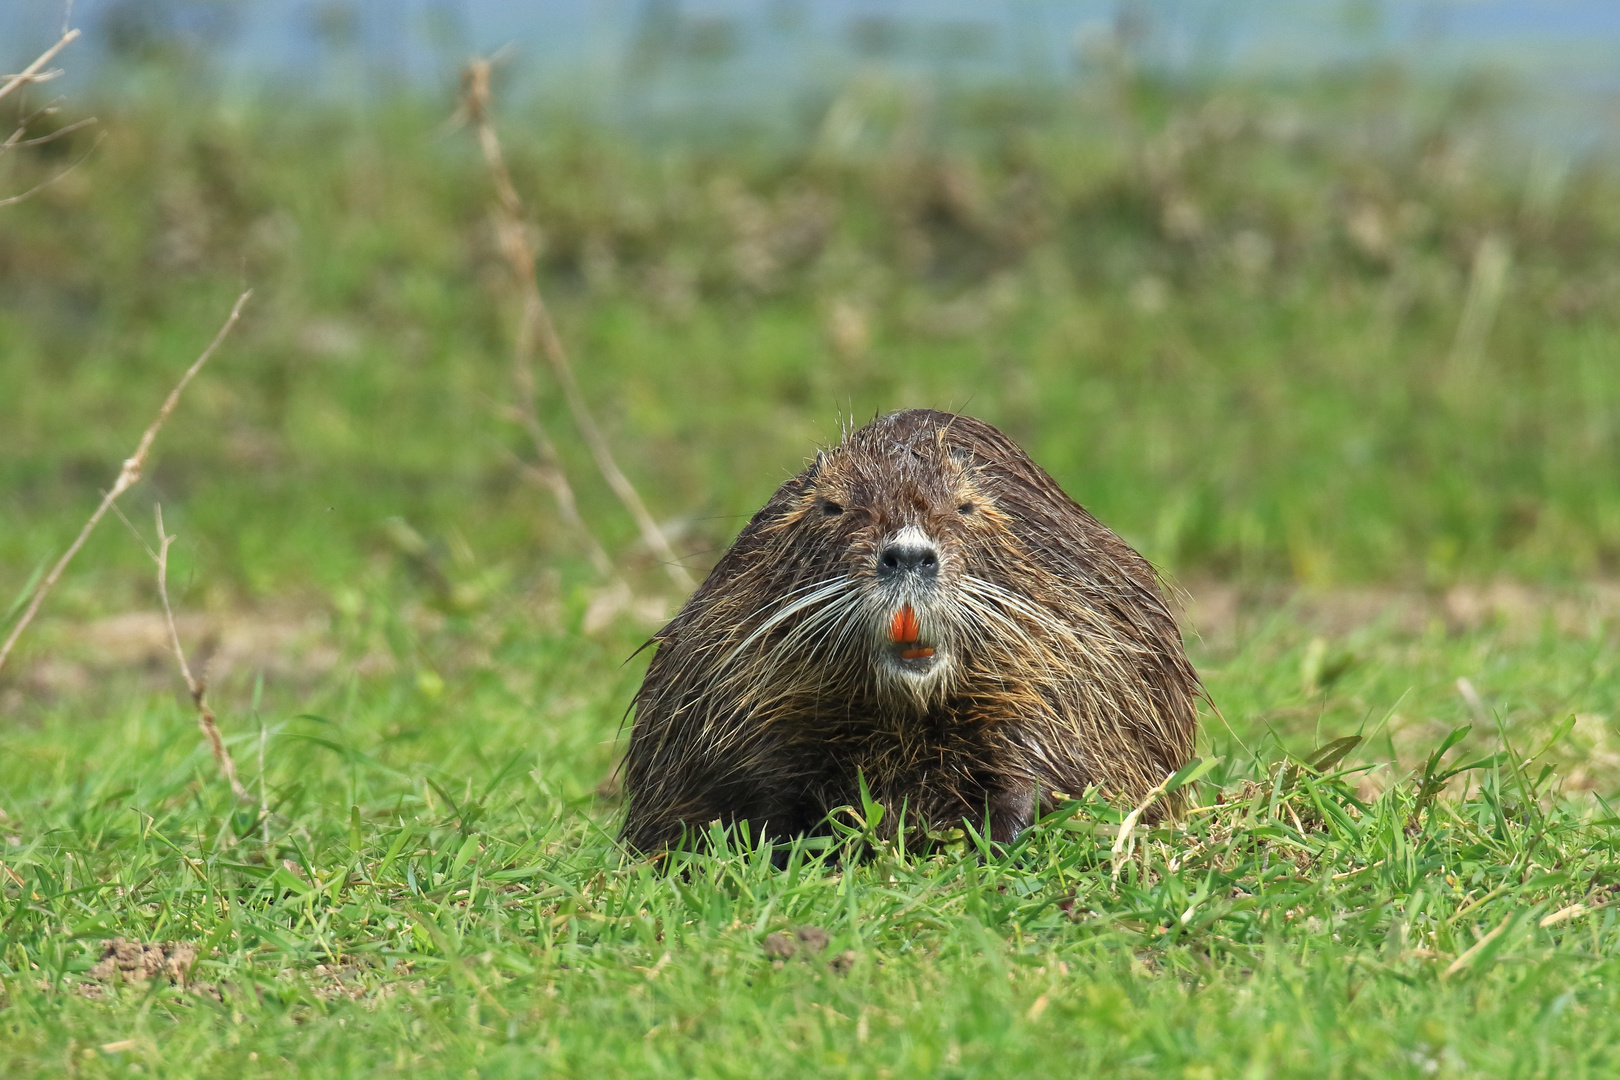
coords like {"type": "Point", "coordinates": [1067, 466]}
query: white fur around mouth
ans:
{"type": "Point", "coordinates": [914, 666]}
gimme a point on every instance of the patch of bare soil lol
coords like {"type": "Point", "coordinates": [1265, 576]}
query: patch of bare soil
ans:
{"type": "Point", "coordinates": [1222, 614]}
{"type": "Point", "coordinates": [804, 941]}
{"type": "Point", "coordinates": [299, 647]}
{"type": "Point", "coordinates": [296, 646]}
{"type": "Point", "coordinates": [130, 961]}
{"type": "Point", "coordinates": [135, 964]}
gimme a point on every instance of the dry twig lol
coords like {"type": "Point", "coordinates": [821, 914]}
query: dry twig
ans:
{"type": "Point", "coordinates": [537, 325]}
{"type": "Point", "coordinates": [16, 141]}
{"type": "Point", "coordinates": [127, 476]}
{"type": "Point", "coordinates": [547, 471]}
{"type": "Point", "coordinates": [32, 73]}
{"type": "Point", "coordinates": [198, 688]}
{"type": "Point", "coordinates": [51, 179]}
{"type": "Point", "coordinates": [1487, 281]}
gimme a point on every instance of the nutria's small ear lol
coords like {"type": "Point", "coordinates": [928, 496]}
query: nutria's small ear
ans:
{"type": "Point", "coordinates": [814, 469]}
{"type": "Point", "coordinates": [956, 451]}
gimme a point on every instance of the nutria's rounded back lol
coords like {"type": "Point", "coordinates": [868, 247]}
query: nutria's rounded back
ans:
{"type": "Point", "coordinates": [923, 606]}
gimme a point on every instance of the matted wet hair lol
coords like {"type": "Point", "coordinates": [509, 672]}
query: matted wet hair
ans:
{"type": "Point", "coordinates": [923, 607]}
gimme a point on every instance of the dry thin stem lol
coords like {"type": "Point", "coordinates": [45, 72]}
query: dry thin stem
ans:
{"type": "Point", "coordinates": [53, 178]}
{"type": "Point", "coordinates": [127, 476]}
{"type": "Point", "coordinates": [16, 141]}
{"type": "Point", "coordinates": [537, 324]}
{"type": "Point", "coordinates": [31, 73]}
{"type": "Point", "coordinates": [264, 801]}
{"type": "Point", "coordinates": [1125, 839]}
{"type": "Point", "coordinates": [1493, 260]}
{"type": "Point", "coordinates": [547, 473]}
{"type": "Point", "coordinates": [547, 470]}
{"type": "Point", "coordinates": [198, 689]}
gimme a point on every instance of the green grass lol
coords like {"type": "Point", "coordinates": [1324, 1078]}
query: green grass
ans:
{"type": "Point", "coordinates": [1227, 319]}
{"type": "Point", "coordinates": [440, 890]}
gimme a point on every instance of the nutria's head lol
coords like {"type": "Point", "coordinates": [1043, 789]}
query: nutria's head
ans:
{"type": "Point", "coordinates": [889, 527]}
{"type": "Point", "coordinates": [901, 561]}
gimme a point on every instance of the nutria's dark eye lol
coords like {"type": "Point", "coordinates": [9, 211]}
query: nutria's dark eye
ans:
{"type": "Point", "coordinates": [966, 508]}
{"type": "Point", "coordinates": [831, 509]}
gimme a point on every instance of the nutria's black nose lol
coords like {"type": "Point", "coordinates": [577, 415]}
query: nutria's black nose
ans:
{"type": "Point", "coordinates": [909, 552]}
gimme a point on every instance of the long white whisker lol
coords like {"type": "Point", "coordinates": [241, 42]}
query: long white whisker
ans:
{"type": "Point", "coordinates": [851, 625]}
{"type": "Point", "coordinates": [985, 597]}
{"type": "Point", "coordinates": [834, 596]}
{"type": "Point", "coordinates": [816, 629]}
{"type": "Point", "coordinates": [1031, 647]}
{"type": "Point", "coordinates": [824, 591]}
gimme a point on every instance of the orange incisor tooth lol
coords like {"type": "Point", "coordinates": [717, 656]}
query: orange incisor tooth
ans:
{"type": "Point", "coordinates": [903, 628]}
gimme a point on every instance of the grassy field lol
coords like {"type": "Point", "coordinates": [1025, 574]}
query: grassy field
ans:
{"type": "Point", "coordinates": [434, 891]}
{"type": "Point", "coordinates": [1336, 356]}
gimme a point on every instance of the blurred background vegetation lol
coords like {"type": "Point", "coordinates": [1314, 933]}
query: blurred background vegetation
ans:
{"type": "Point", "coordinates": [1346, 320]}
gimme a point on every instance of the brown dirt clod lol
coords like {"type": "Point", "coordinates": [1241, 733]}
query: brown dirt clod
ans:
{"type": "Point", "coordinates": [812, 938]}
{"type": "Point", "coordinates": [132, 962]}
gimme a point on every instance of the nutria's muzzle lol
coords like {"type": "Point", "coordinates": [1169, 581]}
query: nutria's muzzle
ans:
{"type": "Point", "coordinates": [910, 634]}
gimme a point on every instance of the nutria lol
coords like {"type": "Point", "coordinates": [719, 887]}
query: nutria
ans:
{"type": "Point", "coordinates": [925, 608]}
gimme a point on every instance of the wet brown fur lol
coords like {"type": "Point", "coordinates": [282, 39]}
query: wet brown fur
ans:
{"type": "Point", "coordinates": [1058, 667]}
